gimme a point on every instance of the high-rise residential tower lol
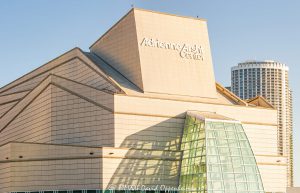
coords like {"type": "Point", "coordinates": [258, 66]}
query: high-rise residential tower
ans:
{"type": "Point", "coordinates": [269, 79]}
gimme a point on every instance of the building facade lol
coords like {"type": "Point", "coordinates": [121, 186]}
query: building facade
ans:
{"type": "Point", "coordinates": [270, 80]}
{"type": "Point", "coordinates": [139, 111]}
{"type": "Point", "coordinates": [293, 189]}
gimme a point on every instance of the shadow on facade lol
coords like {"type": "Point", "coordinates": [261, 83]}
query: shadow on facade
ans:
{"type": "Point", "coordinates": [157, 158]}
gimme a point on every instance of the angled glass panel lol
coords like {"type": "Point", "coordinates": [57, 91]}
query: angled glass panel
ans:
{"type": "Point", "coordinates": [193, 166]}
{"type": "Point", "coordinates": [217, 157]}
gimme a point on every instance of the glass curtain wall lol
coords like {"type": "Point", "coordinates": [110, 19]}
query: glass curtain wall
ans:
{"type": "Point", "coordinates": [217, 158]}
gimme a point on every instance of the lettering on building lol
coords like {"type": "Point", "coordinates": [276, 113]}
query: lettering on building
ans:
{"type": "Point", "coordinates": [186, 51]}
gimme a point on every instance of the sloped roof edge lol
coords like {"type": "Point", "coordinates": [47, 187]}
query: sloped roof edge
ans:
{"type": "Point", "coordinates": [230, 95]}
{"type": "Point", "coordinates": [257, 98]}
{"type": "Point", "coordinates": [27, 100]}
{"type": "Point", "coordinates": [11, 84]}
{"type": "Point", "coordinates": [67, 56]}
{"type": "Point", "coordinates": [122, 81]}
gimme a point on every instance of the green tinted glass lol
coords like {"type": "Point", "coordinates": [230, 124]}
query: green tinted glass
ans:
{"type": "Point", "coordinates": [217, 157]}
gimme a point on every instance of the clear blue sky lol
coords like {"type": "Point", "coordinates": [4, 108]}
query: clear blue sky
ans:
{"type": "Point", "coordinates": [33, 32]}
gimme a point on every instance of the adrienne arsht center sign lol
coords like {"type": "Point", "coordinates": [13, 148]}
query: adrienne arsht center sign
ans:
{"type": "Point", "coordinates": [194, 52]}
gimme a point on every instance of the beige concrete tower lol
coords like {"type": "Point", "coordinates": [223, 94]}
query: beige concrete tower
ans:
{"type": "Point", "coordinates": [155, 50]}
{"type": "Point", "coordinates": [270, 80]}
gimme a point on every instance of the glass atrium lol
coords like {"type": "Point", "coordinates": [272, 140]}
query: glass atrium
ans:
{"type": "Point", "coordinates": [217, 157]}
